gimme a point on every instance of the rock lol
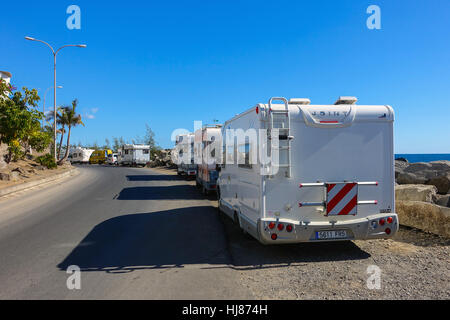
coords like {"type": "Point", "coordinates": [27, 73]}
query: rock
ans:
{"type": "Point", "coordinates": [402, 159]}
{"type": "Point", "coordinates": [415, 192]}
{"type": "Point", "coordinates": [400, 166]}
{"type": "Point", "coordinates": [410, 178]}
{"type": "Point", "coordinates": [418, 167]}
{"type": "Point", "coordinates": [442, 200]}
{"type": "Point", "coordinates": [12, 176]}
{"type": "Point", "coordinates": [20, 170]}
{"type": "Point", "coordinates": [442, 183]}
{"type": "Point", "coordinates": [4, 176]}
{"type": "Point", "coordinates": [425, 216]}
{"type": "Point", "coordinates": [442, 166]}
{"type": "Point", "coordinates": [40, 168]}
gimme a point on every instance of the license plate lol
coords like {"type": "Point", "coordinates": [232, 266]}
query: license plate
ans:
{"type": "Point", "coordinates": [333, 234]}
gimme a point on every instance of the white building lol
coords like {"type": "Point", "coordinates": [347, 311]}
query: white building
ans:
{"type": "Point", "coordinates": [5, 75]}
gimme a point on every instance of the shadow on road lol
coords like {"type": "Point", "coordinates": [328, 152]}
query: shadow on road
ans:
{"type": "Point", "coordinates": [154, 177]}
{"type": "Point", "coordinates": [248, 253]}
{"type": "Point", "coordinates": [187, 236]}
{"type": "Point", "coordinates": [172, 192]}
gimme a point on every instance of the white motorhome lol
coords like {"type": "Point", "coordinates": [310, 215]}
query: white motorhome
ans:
{"type": "Point", "coordinates": [207, 143]}
{"type": "Point", "coordinates": [184, 146]}
{"type": "Point", "coordinates": [328, 174]}
{"type": "Point", "coordinates": [80, 155]}
{"type": "Point", "coordinates": [134, 154]}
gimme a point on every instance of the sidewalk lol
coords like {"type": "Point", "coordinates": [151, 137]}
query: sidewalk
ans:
{"type": "Point", "coordinates": [46, 176]}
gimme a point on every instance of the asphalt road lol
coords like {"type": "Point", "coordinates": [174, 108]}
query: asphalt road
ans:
{"type": "Point", "coordinates": [134, 233]}
{"type": "Point", "coordinates": [142, 234]}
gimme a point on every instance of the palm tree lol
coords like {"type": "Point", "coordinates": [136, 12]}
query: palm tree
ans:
{"type": "Point", "coordinates": [61, 119]}
{"type": "Point", "coordinates": [73, 119]}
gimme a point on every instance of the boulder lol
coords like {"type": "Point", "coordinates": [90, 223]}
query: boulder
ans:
{"type": "Point", "coordinates": [20, 170]}
{"type": "Point", "coordinates": [442, 200]}
{"type": "Point", "coordinates": [442, 166]}
{"type": "Point", "coordinates": [410, 178]}
{"type": "Point", "coordinates": [400, 166]}
{"type": "Point", "coordinates": [442, 183]}
{"type": "Point", "coordinates": [435, 173]}
{"type": "Point", "coordinates": [415, 192]}
{"type": "Point", "coordinates": [4, 176]}
{"type": "Point", "coordinates": [418, 167]}
{"type": "Point", "coordinates": [12, 176]}
{"type": "Point", "coordinates": [425, 216]}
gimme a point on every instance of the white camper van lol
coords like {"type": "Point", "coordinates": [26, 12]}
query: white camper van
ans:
{"type": "Point", "coordinates": [134, 154]}
{"type": "Point", "coordinates": [205, 157]}
{"type": "Point", "coordinates": [185, 155]}
{"type": "Point", "coordinates": [80, 155]}
{"type": "Point", "coordinates": [328, 174]}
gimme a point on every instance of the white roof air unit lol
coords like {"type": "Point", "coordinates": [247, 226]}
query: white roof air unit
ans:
{"type": "Point", "coordinates": [346, 100]}
{"type": "Point", "coordinates": [303, 101]}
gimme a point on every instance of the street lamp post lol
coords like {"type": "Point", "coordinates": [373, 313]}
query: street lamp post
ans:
{"type": "Point", "coordinates": [43, 107]}
{"type": "Point", "coordinates": [54, 84]}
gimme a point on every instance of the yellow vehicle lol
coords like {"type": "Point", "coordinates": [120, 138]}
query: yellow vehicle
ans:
{"type": "Point", "coordinates": [99, 156]}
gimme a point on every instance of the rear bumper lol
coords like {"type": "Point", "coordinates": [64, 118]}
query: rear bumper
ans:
{"type": "Point", "coordinates": [358, 229]}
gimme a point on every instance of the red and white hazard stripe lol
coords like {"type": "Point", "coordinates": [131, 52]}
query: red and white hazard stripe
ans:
{"type": "Point", "coordinates": [342, 198]}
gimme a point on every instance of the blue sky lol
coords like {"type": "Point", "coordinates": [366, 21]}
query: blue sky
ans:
{"type": "Point", "coordinates": [170, 63]}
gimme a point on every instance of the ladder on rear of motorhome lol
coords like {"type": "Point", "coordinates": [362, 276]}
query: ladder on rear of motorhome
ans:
{"type": "Point", "coordinates": [281, 120]}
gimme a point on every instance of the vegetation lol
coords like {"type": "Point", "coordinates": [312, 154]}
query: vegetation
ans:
{"type": "Point", "coordinates": [20, 126]}
{"type": "Point", "coordinates": [47, 160]}
{"type": "Point", "coordinates": [71, 119]}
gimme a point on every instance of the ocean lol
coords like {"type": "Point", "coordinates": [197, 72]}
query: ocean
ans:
{"type": "Point", "coordinates": [424, 157]}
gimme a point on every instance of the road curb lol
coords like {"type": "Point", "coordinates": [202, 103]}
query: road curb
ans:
{"type": "Point", "coordinates": [31, 184]}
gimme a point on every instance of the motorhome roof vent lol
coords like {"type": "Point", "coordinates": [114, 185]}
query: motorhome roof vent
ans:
{"type": "Point", "coordinates": [303, 101]}
{"type": "Point", "coordinates": [346, 100]}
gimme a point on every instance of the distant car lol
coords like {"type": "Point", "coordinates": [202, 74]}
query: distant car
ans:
{"type": "Point", "coordinates": [113, 159]}
{"type": "Point", "coordinates": [100, 156]}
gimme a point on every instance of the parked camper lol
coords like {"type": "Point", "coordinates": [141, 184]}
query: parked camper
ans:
{"type": "Point", "coordinates": [80, 155]}
{"type": "Point", "coordinates": [207, 141]}
{"type": "Point", "coordinates": [99, 156]}
{"type": "Point", "coordinates": [334, 179]}
{"type": "Point", "coordinates": [113, 159]}
{"type": "Point", "coordinates": [134, 154]}
{"type": "Point", "coordinates": [185, 155]}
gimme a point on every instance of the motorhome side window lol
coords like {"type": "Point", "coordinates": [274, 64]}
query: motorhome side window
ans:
{"type": "Point", "coordinates": [145, 151]}
{"type": "Point", "coordinates": [244, 155]}
{"type": "Point", "coordinates": [126, 151]}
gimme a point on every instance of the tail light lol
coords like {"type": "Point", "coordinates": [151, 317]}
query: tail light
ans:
{"type": "Point", "coordinates": [274, 236]}
{"type": "Point", "coordinates": [389, 220]}
{"type": "Point", "coordinates": [388, 231]}
{"type": "Point", "coordinates": [280, 226]}
{"type": "Point", "coordinates": [382, 222]}
{"type": "Point", "coordinates": [289, 228]}
{"type": "Point", "coordinates": [271, 225]}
